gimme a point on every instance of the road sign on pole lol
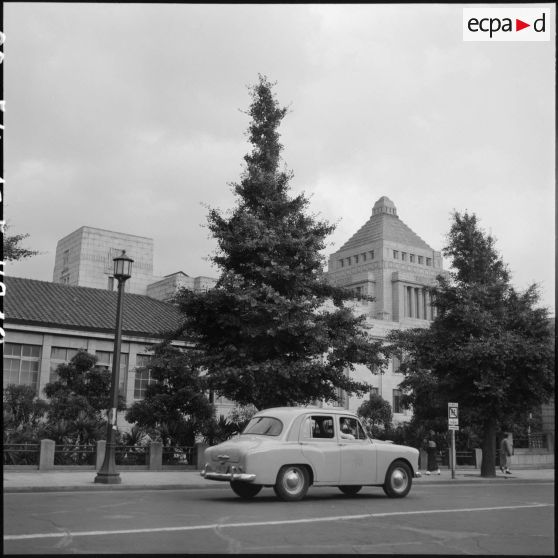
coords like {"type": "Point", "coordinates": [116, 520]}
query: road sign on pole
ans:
{"type": "Point", "coordinates": [453, 416]}
{"type": "Point", "coordinates": [453, 425]}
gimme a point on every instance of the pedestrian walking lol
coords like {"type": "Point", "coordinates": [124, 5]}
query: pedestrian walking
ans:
{"type": "Point", "coordinates": [506, 450]}
{"type": "Point", "coordinates": [431, 450]}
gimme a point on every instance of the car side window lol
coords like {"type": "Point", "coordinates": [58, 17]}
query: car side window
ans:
{"type": "Point", "coordinates": [321, 427]}
{"type": "Point", "coordinates": [350, 429]}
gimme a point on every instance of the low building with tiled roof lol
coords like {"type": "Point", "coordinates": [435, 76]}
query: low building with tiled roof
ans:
{"type": "Point", "coordinates": [47, 323]}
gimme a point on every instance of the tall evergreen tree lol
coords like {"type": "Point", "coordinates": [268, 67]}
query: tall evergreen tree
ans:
{"type": "Point", "coordinates": [266, 330]}
{"type": "Point", "coordinates": [489, 348]}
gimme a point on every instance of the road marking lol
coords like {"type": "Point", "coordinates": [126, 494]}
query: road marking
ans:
{"type": "Point", "coordinates": [259, 523]}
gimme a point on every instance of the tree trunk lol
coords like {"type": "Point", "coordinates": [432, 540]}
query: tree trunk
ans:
{"type": "Point", "coordinates": [488, 465]}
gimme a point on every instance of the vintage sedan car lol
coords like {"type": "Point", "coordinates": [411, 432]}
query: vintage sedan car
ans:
{"type": "Point", "coordinates": [292, 448]}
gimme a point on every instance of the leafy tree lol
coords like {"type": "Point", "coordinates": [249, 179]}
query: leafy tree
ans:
{"type": "Point", "coordinates": [273, 331]}
{"type": "Point", "coordinates": [489, 348]}
{"type": "Point", "coordinates": [176, 399]}
{"type": "Point", "coordinates": [12, 249]}
{"type": "Point", "coordinates": [23, 414]}
{"type": "Point", "coordinates": [81, 390]}
{"type": "Point", "coordinates": [376, 415]}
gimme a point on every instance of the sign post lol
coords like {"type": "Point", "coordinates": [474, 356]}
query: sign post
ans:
{"type": "Point", "coordinates": [453, 425]}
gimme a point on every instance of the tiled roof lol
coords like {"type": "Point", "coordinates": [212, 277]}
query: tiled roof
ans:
{"type": "Point", "coordinates": [32, 302]}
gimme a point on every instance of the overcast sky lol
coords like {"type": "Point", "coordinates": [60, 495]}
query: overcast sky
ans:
{"type": "Point", "coordinates": [129, 118]}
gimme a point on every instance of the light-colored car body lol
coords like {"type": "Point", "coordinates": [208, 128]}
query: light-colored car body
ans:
{"type": "Point", "coordinates": [316, 446]}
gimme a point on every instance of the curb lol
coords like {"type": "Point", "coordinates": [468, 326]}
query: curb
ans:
{"type": "Point", "coordinates": [104, 488]}
{"type": "Point", "coordinates": [219, 485]}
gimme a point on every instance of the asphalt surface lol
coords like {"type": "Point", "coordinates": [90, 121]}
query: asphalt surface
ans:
{"type": "Point", "coordinates": [72, 480]}
{"type": "Point", "coordinates": [440, 516]}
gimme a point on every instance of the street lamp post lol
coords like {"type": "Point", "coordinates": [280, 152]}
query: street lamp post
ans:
{"type": "Point", "coordinates": [108, 474]}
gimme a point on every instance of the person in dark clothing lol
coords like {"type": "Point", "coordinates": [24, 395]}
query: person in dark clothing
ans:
{"type": "Point", "coordinates": [431, 450]}
{"type": "Point", "coordinates": [505, 452]}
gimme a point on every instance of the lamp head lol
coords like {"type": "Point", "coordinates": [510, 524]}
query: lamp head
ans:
{"type": "Point", "coordinates": [122, 266]}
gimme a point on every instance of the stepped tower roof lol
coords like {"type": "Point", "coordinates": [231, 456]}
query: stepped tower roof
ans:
{"type": "Point", "coordinates": [384, 224]}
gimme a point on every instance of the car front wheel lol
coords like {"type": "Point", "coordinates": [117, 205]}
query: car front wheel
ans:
{"type": "Point", "coordinates": [245, 490]}
{"type": "Point", "coordinates": [292, 483]}
{"type": "Point", "coordinates": [398, 480]}
{"type": "Point", "coordinates": [350, 489]}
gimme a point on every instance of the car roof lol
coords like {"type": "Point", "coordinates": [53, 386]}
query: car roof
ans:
{"type": "Point", "coordinates": [296, 411]}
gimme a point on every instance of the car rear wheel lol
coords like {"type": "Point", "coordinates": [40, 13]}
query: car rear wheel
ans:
{"type": "Point", "coordinates": [292, 483]}
{"type": "Point", "coordinates": [350, 489]}
{"type": "Point", "coordinates": [244, 489]}
{"type": "Point", "coordinates": [399, 480]}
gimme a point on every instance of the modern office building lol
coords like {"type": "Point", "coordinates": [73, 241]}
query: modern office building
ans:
{"type": "Point", "coordinates": [84, 258]}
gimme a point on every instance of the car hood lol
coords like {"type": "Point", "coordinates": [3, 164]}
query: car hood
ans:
{"type": "Point", "coordinates": [235, 447]}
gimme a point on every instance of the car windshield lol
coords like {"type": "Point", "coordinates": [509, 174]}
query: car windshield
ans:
{"type": "Point", "coordinates": [268, 426]}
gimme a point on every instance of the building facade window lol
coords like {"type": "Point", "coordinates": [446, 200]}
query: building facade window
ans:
{"type": "Point", "coordinates": [412, 258]}
{"type": "Point", "coordinates": [110, 285]}
{"type": "Point", "coordinates": [104, 359]}
{"type": "Point", "coordinates": [429, 262]}
{"type": "Point", "coordinates": [66, 259]}
{"type": "Point", "coordinates": [397, 406]}
{"type": "Point", "coordinates": [364, 257]}
{"type": "Point", "coordinates": [143, 376]}
{"type": "Point", "coordinates": [404, 256]}
{"type": "Point", "coordinates": [374, 391]}
{"type": "Point", "coordinates": [21, 365]}
{"type": "Point", "coordinates": [420, 260]}
{"type": "Point", "coordinates": [396, 365]}
{"type": "Point", "coordinates": [341, 263]}
{"type": "Point", "coordinates": [371, 254]}
{"type": "Point", "coordinates": [58, 356]}
{"type": "Point", "coordinates": [395, 254]}
{"type": "Point", "coordinates": [349, 260]}
{"type": "Point", "coordinates": [356, 259]}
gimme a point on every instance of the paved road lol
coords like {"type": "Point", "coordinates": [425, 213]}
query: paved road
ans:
{"type": "Point", "coordinates": [468, 518]}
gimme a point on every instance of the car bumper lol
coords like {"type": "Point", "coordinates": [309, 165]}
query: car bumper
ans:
{"type": "Point", "coordinates": [244, 477]}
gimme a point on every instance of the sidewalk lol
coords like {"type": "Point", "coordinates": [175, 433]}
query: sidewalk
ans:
{"type": "Point", "coordinates": [64, 480]}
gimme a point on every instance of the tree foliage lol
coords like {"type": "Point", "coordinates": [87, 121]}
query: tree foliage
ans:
{"type": "Point", "coordinates": [81, 392]}
{"type": "Point", "coordinates": [266, 332]}
{"type": "Point", "coordinates": [489, 348]}
{"type": "Point", "coordinates": [12, 249]}
{"type": "Point", "coordinates": [175, 402]}
{"type": "Point", "coordinates": [376, 415]}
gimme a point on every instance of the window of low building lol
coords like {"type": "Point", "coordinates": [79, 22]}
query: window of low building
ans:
{"type": "Point", "coordinates": [104, 359]}
{"type": "Point", "coordinates": [142, 377]}
{"type": "Point", "coordinates": [420, 260]}
{"type": "Point", "coordinates": [21, 364]}
{"type": "Point", "coordinates": [429, 261]}
{"type": "Point", "coordinates": [396, 254]}
{"type": "Point", "coordinates": [58, 356]}
{"type": "Point", "coordinates": [404, 256]}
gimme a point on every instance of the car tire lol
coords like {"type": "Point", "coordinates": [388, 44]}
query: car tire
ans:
{"type": "Point", "coordinates": [245, 490]}
{"type": "Point", "coordinates": [292, 483]}
{"type": "Point", "coordinates": [350, 489]}
{"type": "Point", "coordinates": [399, 480]}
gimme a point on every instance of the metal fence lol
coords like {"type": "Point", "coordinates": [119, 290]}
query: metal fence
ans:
{"type": "Point", "coordinates": [131, 455]}
{"type": "Point", "coordinates": [75, 455]}
{"type": "Point", "coordinates": [465, 458]}
{"type": "Point", "coordinates": [533, 441]}
{"type": "Point", "coordinates": [21, 454]}
{"type": "Point", "coordinates": [178, 455]}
